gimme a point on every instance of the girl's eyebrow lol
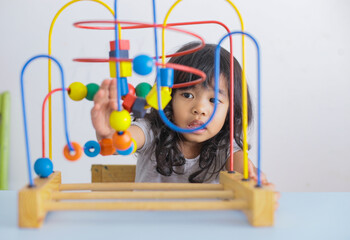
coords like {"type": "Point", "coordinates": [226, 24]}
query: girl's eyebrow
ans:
{"type": "Point", "coordinates": [222, 92]}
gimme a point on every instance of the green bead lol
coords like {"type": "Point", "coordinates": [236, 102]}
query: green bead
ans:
{"type": "Point", "coordinates": [92, 89]}
{"type": "Point", "coordinates": [142, 89]}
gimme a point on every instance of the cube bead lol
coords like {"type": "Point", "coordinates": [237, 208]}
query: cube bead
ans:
{"type": "Point", "coordinates": [107, 147]}
{"type": "Point", "coordinates": [138, 109]}
{"type": "Point", "coordinates": [129, 102]}
{"type": "Point", "coordinates": [123, 44]}
{"type": "Point", "coordinates": [152, 100]}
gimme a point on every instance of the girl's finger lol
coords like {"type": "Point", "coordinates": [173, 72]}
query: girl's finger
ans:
{"type": "Point", "coordinates": [251, 170]}
{"type": "Point", "coordinates": [102, 93]}
{"type": "Point", "coordinates": [112, 88]}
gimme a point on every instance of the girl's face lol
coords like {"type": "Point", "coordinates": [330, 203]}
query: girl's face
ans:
{"type": "Point", "coordinates": [193, 107]}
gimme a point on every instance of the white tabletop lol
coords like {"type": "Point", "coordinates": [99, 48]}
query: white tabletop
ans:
{"type": "Point", "coordinates": [300, 216]}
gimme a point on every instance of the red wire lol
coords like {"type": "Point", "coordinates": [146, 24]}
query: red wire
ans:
{"type": "Point", "coordinates": [179, 67]}
{"type": "Point", "coordinates": [43, 117]}
{"type": "Point", "coordinates": [138, 25]}
{"type": "Point", "coordinates": [78, 24]}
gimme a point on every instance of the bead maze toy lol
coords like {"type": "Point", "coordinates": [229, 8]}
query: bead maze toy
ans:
{"type": "Point", "coordinates": [47, 193]}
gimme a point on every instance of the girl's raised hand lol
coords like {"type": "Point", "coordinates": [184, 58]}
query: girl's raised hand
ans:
{"type": "Point", "coordinates": [104, 104]}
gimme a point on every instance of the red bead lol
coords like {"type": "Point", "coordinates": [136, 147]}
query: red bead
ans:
{"type": "Point", "coordinates": [122, 141]}
{"type": "Point", "coordinates": [131, 89]}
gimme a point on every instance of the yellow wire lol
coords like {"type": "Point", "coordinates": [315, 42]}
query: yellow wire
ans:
{"type": "Point", "coordinates": [49, 66]}
{"type": "Point", "coordinates": [163, 30]}
{"type": "Point", "coordinates": [244, 84]}
{"type": "Point", "coordinates": [244, 101]}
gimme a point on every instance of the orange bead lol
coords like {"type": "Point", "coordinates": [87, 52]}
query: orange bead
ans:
{"type": "Point", "coordinates": [122, 141]}
{"type": "Point", "coordinates": [78, 151]}
{"type": "Point", "coordinates": [107, 147]}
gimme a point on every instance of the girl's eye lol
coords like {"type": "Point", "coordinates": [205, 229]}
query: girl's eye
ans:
{"type": "Point", "coordinates": [187, 95]}
{"type": "Point", "coordinates": [213, 100]}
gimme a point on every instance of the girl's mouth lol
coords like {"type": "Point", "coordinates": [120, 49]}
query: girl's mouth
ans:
{"type": "Point", "coordinates": [196, 124]}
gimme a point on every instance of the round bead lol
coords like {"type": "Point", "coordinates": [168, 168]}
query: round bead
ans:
{"type": "Point", "coordinates": [120, 120]}
{"type": "Point", "coordinates": [77, 91]}
{"type": "Point", "coordinates": [43, 167]}
{"type": "Point", "coordinates": [135, 145]}
{"type": "Point", "coordinates": [127, 151]}
{"type": "Point", "coordinates": [143, 64]}
{"type": "Point", "coordinates": [92, 148]}
{"type": "Point", "coordinates": [142, 89]}
{"type": "Point", "coordinates": [74, 155]}
{"type": "Point", "coordinates": [92, 89]}
{"type": "Point", "coordinates": [131, 89]}
{"type": "Point", "coordinates": [122, 141]}
{"type": "Point", "coordinates": [107, 147]}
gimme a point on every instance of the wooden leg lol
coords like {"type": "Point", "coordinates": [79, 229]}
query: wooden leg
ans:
{"type": "Point", "coordinates": [260, 201]}
{"type": "Point", "coordinates": [31, 209]}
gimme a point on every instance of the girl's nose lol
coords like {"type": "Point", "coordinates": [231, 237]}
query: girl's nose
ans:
{"type": "Point", "coordinates": [200, 108]}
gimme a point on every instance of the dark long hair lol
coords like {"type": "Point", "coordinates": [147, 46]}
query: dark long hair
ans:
{"type": "Point", "coordinates": [168, 155]}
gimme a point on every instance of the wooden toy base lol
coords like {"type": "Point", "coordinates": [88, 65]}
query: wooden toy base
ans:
{"type": "Point", "coordinates": [231, 194]}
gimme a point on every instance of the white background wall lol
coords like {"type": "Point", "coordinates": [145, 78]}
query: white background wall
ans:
{"type": "Point", "coordinates": [305, 75]}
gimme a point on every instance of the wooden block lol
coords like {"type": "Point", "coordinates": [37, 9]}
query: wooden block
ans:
{"type": "Point", "coordinates": [261, 202]}
{"type": "Point", "coordinates": [31, 201]}
{"type": "Point", "coordinates": [113, 173]}
{"type": "Point", "coordinates": [96, 173]}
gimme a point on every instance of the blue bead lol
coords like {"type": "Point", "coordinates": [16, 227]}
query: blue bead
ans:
{"type": "Point", "coordinates": [124, 87]}
{"type": "Point", "coordinates": [143, 64]}
{"type": "Point", "coordinates": [94, 146]}
{"type": "Point", "coordinates": [167, 77]}
{"type": "Point", "coordinates": [43, 167]}
{"type": "Point", "coordinates": [127, 151]}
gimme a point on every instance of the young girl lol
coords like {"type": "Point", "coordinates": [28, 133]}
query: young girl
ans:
{"type": "Point", "coordinates": [167, 156]}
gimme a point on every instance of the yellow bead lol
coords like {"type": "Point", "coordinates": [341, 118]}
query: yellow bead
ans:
{"type": "Point", "coordinates": [152, 100]}
{"type": "Point", "coordinates": [112, 70]}
{"type": "Point", "coordinates": [120, 120]}
{"type": "Point", "coordinates": [135, 146]}
{"type": "Point", "coordinates": [77, 91]}
{"type": "Point", "coordinates": [125, 69]}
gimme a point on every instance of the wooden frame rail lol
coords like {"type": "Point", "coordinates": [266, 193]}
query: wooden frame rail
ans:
{"type": "Point", "coordinates": [231, 194]}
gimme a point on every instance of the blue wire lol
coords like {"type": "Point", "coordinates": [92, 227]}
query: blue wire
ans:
{"type": "Point", "coordinates": [161, 112]}
{"type": "Point", "coordinates": [117, 56]}
{"type": "Point", "coordinates": [217, 63]}
{"type": "Point", "coordinates": [31, 182]}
